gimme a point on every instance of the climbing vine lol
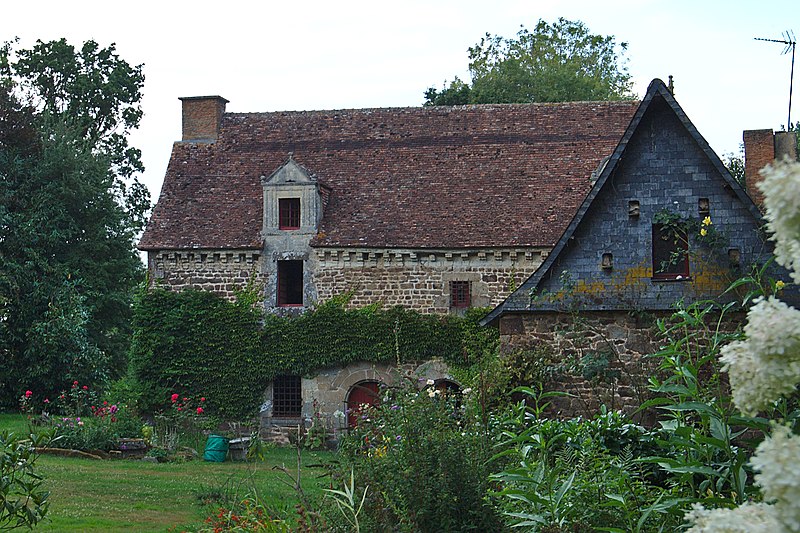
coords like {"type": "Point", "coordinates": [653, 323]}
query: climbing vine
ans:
{"type": "Point", "coordinates": [197, 342]}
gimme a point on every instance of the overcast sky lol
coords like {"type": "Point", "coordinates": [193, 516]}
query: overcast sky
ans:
{"type": "Point", "coordinates": [312, 55]}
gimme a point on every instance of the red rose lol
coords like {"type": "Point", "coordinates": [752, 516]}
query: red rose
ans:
{"type": "Point", "coordinates": [199, 410]}
{"type": "Point", "coordinates": [86, 387]}
{"type": "Point", "coordinates": [179, 409]}
{"type": "Point", "coordinates": [203, 399]}
{"type": "Point", "coordinates": [28, 394]}
{"type": "Point", "coordinates": [174, 398]}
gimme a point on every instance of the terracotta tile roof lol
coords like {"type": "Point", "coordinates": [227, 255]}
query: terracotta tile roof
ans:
{"type": "Point", "coordinates": [436, 177]}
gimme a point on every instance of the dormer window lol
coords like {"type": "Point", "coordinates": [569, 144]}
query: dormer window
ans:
{"type": "Point", "coordinates": [289, 213]}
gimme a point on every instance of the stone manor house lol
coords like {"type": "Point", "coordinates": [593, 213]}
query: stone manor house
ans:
{"type": "Point", "coordinates": [444, 208]}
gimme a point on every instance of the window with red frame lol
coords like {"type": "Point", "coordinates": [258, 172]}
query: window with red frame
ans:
{"type": "Point", "coordinates": [289, 213]}
{"type": "Point", "coordinates": [459, 294]}
{"type": "Point", "coordinates": [287, 397]}
{"type": "Point", "coordinates": [670, 253]}
{"type": "Point", "coordinates": [290, 283]}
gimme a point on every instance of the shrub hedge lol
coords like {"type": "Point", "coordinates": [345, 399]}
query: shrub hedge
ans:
{"type": "Point", "coordinates": [198, 344]}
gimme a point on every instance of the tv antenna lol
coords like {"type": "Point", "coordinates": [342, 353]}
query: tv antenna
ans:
{"type": "Point", "coordinates": [791, 43]}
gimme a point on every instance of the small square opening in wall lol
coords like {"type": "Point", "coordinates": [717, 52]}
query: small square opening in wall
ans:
{"type": "Point", "coordinates": [735, 257]}
{"type": "Point", "coordinates": [459, 294]}
{"type": "Point", "coordinates": [289, 213]}
{"type": "Point", "coordinates": [607, 262]}
{"type": "Point", "coordinates": [290, 283]}
{"type": "Point", "coordinates": [703, 207]}
{"type": "Point", "coordinates": [633, 208]}
{"type": "Point", "coordinates": [287, 397]}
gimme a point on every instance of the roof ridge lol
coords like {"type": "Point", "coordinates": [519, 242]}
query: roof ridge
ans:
{"type": "Point", "coordinates": [434, 109]}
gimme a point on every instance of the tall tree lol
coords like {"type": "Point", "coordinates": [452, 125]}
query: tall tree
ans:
{"type": "Point", "coordinates": [70, 208]}
{"type": "Point", "coordinates": [557, 62]}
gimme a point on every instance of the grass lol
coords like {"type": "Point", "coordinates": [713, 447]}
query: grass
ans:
{"type": "Point", "coordinates": [14, 423]}
{"type": "Point", "coordinates": [122, 495]}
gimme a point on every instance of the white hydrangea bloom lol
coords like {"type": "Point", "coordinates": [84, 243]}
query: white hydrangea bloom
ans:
{"type": "Point", "coordinates": [747, 518]}
{"type": "Point", "coordinates": [781, 188]}
{"type": "Point", "coordinates": [778, 461]}
{"type": "Point", "coordinates": [766, 365]}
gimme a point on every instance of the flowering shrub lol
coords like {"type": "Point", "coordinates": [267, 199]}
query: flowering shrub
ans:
{"type": "Point", "coordinates": [247, 515]}
{"type": "Point", "coordinates": [423, 455]}
{"type": "Point", "coordinates": [764, 367]}
{"type": "Point", "coordinates": [81, 421]}
{"type": "Point", "coordinates": [182, 422]}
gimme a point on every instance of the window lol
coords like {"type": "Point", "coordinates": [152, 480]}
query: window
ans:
{"type": "Point", "coordinates": [289, 213]}
{"type": "Point", "coordinates": [290, 283]}
{"type": "Point", "coordinates": [287, 397]}
{"type": "Point", "coordinates": [670, 252]}
{"type": "Point", "coordinates": [459, 294]}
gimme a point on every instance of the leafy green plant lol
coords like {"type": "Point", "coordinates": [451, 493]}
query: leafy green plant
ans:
{"type": "Point", "coordinates": [316, 435]}
{"type": "Point", "coordinates": [576, 475]}
{"type": "Point", "coordinates": [346, 502]}
{"type": "Point", "coordinates": [23, 501]}
{"type": "Point", "coordinates": [703, 453]}
{"type": "Point", "coordinates": [199, 343]}
{"type": "Point", "coordinates": [423, 453]}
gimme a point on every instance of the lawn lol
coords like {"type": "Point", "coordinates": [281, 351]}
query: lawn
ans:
{"type": "Point", "coordinates": [123, 495]}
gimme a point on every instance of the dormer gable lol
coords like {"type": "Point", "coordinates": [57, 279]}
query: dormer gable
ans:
{"type": "Point", "coordinates": [293, 200]}
{"type": "Point", "coordinates": [290, 173]}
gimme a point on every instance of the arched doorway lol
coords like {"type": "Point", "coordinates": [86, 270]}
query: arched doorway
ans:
{"type": "Point", "coordinates": [360, 394]}
{"type": "Point", "coordinates": [447, 387]}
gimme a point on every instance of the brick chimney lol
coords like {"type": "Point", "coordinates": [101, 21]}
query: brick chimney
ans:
{"type": "Point", "coordinates": [202, 118]}
{"type": "Point", "coordinates": [762, 147]}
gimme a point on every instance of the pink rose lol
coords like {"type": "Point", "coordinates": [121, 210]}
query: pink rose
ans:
{"type": "Point", "coordinates": [174, 398]}
{"type": "Point", "coordinates": [86, 387]}
{"type": "Point", "coordinates": [28, 394]}
{"type": "Point", "coordinates": [199, 410]}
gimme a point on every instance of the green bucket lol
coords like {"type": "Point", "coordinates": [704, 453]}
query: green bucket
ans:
{"type": "Point", "coordinates": [216, 449]}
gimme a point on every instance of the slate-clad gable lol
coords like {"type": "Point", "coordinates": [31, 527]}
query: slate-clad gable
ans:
{"type": "Point", "coordinates": [453, 177]}
{"type": "Point", "coordinates": [661, 163]}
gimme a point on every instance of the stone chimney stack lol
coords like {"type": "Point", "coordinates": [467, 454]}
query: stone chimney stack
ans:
{"type": "Point", "coordinates": [762, 147]}
{"type": "Point", "coordinates": [202, 118]}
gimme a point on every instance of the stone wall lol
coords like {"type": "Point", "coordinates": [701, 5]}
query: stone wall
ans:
{"type": "Point", "coordinates": [420, 279]}
{"type": "Point", "coordinates": [217, 271]}
{"type": "Point", "coordinates": [616, 337]}
{"type": "Point", "coordinates": [622, 339]}
{"type": "Point", "coordinates": [327, 391]}
{"type": "Point", "coordinates": [409, 278]}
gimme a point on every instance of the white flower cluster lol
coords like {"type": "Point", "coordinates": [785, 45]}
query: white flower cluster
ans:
{"type": "Point", "coordinates": [762, 368]}
{"type": "Point", "coordinates": [767, 364]}
{"type": "Point", "coordinates": [781, 188]}
{"type": "Point", "coordinates": [778, 461]}
{"type": "Point", "coordinates": [747, 518]}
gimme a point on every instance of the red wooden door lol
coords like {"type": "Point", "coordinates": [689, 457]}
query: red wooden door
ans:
{"type": "Point", "coordinates": [364, 393]}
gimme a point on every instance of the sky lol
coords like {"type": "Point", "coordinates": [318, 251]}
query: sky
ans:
{"type": "Point", "coordinates": [314, 55]}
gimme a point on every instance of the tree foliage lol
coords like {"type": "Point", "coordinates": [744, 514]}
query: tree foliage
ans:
{"type": "Point", "coordinates": [70, 208]}
{"type": "Point", "coordinates": [558, 62]}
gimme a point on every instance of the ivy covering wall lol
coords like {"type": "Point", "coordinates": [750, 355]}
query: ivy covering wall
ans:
{"type": "Point", "coordinates": [197, 344]}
